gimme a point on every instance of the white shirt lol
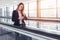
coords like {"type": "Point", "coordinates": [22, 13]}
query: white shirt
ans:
{"type": "Point", "coordinates": [20, 16]}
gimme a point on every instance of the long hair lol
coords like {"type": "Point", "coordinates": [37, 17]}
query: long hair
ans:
{"type": "Point", "coordinates": [18, 7]}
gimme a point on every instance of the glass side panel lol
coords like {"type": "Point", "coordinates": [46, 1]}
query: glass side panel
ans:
{"type": "Point", "coordinates": [6, 34]}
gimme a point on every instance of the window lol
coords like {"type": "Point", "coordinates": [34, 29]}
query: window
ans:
{"type": "Point", "coordinates": [58, 8]}
{"type": "Point", "coordinates": [26, 8]}
{"type": "Point", "coordinates": [58, 3]}
{"type": "Point", "coordinates": [32, 8]}
{"type": "Point", "coordinates": [9, 10]}
{"type": "Point", "coordinates": [0, 11]}
{"type": "Point", "coordinates": [48, 4]}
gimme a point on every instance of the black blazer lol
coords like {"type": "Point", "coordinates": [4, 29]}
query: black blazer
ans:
{"type": "Point", "coordinates": [15, 18]}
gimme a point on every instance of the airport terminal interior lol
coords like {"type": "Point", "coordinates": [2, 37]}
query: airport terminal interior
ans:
{"type": "Point", "coordinates": [42, 23]}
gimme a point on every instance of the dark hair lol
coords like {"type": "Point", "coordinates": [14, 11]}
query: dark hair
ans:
{"type": "Point", "coordinates": [19, 5]}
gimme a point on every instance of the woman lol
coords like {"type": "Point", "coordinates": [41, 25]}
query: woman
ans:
{"type": "Point", "coordinates": [18, 16]}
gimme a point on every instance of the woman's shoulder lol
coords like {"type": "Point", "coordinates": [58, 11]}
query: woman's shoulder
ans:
{"type": "Point", "coordinates": [14, 10]}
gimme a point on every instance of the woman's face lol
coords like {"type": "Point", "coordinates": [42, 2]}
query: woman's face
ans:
{"type": "Point", "coordinates": [21, 7]}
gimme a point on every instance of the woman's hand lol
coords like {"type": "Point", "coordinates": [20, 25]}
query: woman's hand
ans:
{"type": "Point", "coordinates": [21, 18]}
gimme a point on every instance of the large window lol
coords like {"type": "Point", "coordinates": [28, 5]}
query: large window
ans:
{"type": "Point", "coordinates": [48, 8]}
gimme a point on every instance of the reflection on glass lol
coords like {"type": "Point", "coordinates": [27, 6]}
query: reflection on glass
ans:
{"type": "Point", "coordinates": [32, 24]}
{"type": "Point", "coordinates": [58, 26]}
{"type": "Point", "coordinates": [48, 25]}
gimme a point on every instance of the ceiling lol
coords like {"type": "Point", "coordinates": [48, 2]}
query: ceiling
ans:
{"type": "Point", "coordinates": [10, 2]}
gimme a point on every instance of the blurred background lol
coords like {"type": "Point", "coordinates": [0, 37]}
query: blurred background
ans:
{"type": "Point", "coordinates": [36, 10]}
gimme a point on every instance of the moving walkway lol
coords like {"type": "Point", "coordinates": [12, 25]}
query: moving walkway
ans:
{"type": "Point", "coordinates": [34, 33]}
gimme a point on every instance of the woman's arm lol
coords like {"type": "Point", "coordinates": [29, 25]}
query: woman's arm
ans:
{"type": "Point", "coordinates": [25, 17]}
{"type": "Point", "coordinates": [14, 17]}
